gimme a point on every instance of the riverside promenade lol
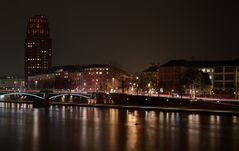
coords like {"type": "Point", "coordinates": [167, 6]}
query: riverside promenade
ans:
{"type": "Point", "coordinates": [126, 101]}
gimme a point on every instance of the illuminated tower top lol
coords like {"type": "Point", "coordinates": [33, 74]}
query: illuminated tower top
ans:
{"type": "Point", "coordinates": [38, 27]}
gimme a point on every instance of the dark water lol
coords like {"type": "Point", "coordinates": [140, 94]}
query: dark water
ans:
{"type": "Point", "coordinates": [86, 129]}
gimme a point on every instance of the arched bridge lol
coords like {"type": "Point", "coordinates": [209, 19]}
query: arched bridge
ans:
{"type": "Point", "coordinates": [34, 95]}
{"type": "Point", "coordinates": [44, 97]}
{"type": "Point", "coordinates": [56, 95]}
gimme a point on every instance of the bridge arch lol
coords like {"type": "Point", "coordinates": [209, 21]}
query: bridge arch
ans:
{"type": "Point", "coordinates": [22, 93]}
{"type": "Point", "coordinates": [59, 95]}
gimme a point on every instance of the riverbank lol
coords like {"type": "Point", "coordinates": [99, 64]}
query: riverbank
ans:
{"type": "Point", "coordinates": [133, 107]}
{"type": "Point", "coordinates": [127, 101]}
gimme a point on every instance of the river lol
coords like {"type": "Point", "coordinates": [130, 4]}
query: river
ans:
{"type": "Point", "coordinates": [104, 129]}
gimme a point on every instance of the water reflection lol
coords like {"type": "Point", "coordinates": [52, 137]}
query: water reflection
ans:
{"type": "Point", "coordinates": [81, 128]}
{"type": "Point", "coordinates": [35, 129]}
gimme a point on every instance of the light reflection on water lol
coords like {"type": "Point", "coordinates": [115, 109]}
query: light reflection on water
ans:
{"type": "Point", "coordinates": [82, 128]}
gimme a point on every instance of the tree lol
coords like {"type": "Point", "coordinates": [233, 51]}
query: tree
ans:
{"type": "Point", "coordinates": [196, 81]}
{"type": "Point", "coordinates": [123, 82]}
{"type": "Point", "coordinates": [149, 81]}
{"type": "Point", "coordinates": [143, 82]}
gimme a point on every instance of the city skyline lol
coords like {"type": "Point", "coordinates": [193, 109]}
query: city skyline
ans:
{"type": "Point", "coordinates": [128, 33]}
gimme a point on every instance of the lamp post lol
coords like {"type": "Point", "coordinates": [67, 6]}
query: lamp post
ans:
{"type": "Point", "coordinates": [137, 85]}
{"type": "Point", "coordinates": [149, 85]}
{"type": "Point", "coordinates": [36, 82]}
{"type": "Point", "coordinates": [113, 84]}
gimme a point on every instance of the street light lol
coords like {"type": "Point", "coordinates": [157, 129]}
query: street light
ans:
{"type": "Point", "coordinates": [113, 83]}
{"type": "Point", "coordinates": [36, 82]}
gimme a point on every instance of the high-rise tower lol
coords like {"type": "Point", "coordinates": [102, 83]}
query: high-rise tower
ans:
{"type": "Point", "coordinates": [38, 47]}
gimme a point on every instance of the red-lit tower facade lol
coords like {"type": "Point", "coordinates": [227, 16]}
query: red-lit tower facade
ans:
{"type": "Point", "coordinates": [38, 47]}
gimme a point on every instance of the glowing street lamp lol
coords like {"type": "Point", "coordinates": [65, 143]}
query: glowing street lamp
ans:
{"type": "Point", "coordinates": [36, 82]}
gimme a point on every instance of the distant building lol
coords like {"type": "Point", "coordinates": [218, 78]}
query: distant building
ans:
{"type": "Point", "coordinates": [12, 82]}
{"type": "Point", "coordinates": [224, 75]}
{"type": "Point", "coordinates": [79, 78]}
{"type": "Point", "coordinates": [38, 47]}
{"type": "Point", "coordinates": [171, 74]}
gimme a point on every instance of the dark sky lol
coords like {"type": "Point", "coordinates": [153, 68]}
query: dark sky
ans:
{"type": "Point", "coordinates": [130, 33]}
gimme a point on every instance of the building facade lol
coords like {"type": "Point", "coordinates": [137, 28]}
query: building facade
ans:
{"type": "Point", "coordinates": [170, 78]}
{"type": "Point", "coordinates": [224, 75]}
{"type": "Point", "coordinates": [38, 47]}
{"type": "Point", "coordinates": [12, 82]}
{"type": "Point", "coordinates": [226, 79]}
{"type": "Point", "coordinates": [80, 78]}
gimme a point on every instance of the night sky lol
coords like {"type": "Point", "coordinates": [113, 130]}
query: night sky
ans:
{"type": "Point", "coordinates": [132, 34]}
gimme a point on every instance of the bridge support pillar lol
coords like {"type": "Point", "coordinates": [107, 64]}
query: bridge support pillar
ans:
{"type": "Point", "coordinates": [42, 103]}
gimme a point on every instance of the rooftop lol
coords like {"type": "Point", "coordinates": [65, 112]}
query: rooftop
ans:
{"type": "Point", "coordinates": [152, 68]}
{"type": "Point", "coordinates": [79, 68]}
{"type": "Point", "coordinates": [200, 63]}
